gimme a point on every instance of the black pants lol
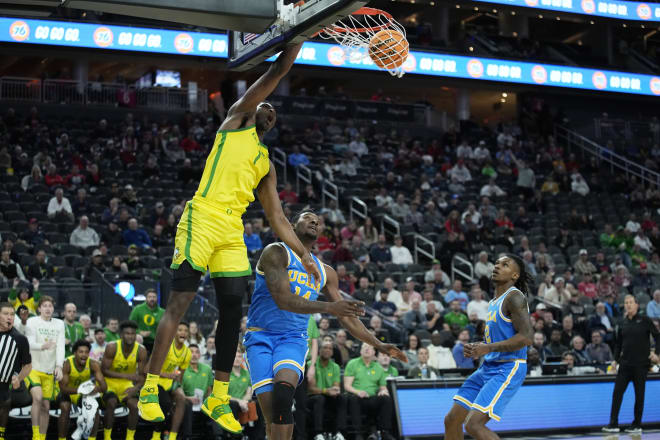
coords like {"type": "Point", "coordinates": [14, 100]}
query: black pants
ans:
{"type": "Point", "coordinates": [626, 374]}
{"type": "Point", "coordinates": [335, 405]}
{"type": "Point", "coordinates": [379, 407]}
{"type": "Point", "coordinates": [300, 414]}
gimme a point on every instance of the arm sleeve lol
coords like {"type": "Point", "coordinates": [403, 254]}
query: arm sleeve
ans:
{"type": "Point", "coordinates": [13, 294]}
{"type": "Point", "coordinates": [350, 369]}
{"type": "Point", "coordinates": [383, 378]}
{"type": "Point", "coordinates": [134, 316]}
{"type": "Point", "coordinates": [59, 351]}
{"type": "Point", "coordinates": [23, 351]}
{"type": "Point", "coordinates": [51, 208]}
{"type": "Point", "coordinates": [36, 296]}
{"type": "Point", "coordinates": [67, 206]}
{"type": "Point", "coordinates": [31, 336]}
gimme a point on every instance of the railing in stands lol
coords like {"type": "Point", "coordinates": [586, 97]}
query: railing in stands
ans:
{"type": "Point", "coordinates": [58, 91]}
{"type": "Point", "coordinates": [20, 89]}
{"type": "Point", "coordinates": [455, 270]}
{"type": "Point", "coordinates": [359, 208]}
{"type": "Point", "coordinates": [574, 140]}
{"type": "Point", "coordinates": [329, 190]}
{"type": "Point", "coordinates": [303, 173]}
{"type": "Point", "coordinates": [387, 220]}
{"type": "Point", "coordinates": [606, 128]}
{"type": "Point", "coordinates": [419, 250]}
{"type": "Point", "coordinates": [279, 158]}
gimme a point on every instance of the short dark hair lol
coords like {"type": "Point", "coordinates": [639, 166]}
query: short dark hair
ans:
{"type": "Point", "coordinates": [45, 299]}
{"type": "Point", "coordinates": [128, 324]}
{"type": "Point", "coordinates": [81, 343]}
{"type": "Point", "coordinates": [99, 330]}
{"type": "Point", "coordinates": [194, 346]}
{"type": "Point", "coordinates": [300, 213]}
{"type": "Point", "coordinates": [8, 305]}
{"type": "Point", "coordinates": [20, 308]}
{"type": "Point", "coordinates": [184, 323]}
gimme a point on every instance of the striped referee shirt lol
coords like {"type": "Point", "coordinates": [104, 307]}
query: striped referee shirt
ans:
{"type": "Point", "coordinates": [14, 354]}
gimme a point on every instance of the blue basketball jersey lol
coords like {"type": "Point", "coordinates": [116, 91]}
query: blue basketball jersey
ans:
{"type": "Point", "coordinates": [264, 314]}
{"type": "Point", "coordinates": [500, 328]}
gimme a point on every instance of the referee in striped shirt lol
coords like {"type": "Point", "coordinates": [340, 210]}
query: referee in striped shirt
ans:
{"type": "Point", "coordinates": [15, 361]}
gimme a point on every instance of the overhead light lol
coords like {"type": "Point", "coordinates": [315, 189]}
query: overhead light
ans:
{"type": "Point", "coordinates": [494, 11]}
{"type": "Point", "coordinates": [502, 100]}
{"type": "Point", "coordinates": [476, 8]}
{"type": "Point", "coordinates": [513, 12]}
{"type": "Point", "coordinates": [432, 3]}
{"type": "Point", "coordinates": [540, 16]}
{"type": "Point", "coordinates": [471, 49]}
{"type": "Point", "coordinates": [625, 25]}
{"type": "Point", "coordinates": [558, 18]}
{"type": "Point", "coordinates": [591, 22]}
{"type": "Point", "coordinates": [504, 95]}
{"type": "Point", "coordinates": [515, 34]}
{"type": "Point", "coordinates": [458, 6]}
{"type": "Point", "coordinates": [643, 27]}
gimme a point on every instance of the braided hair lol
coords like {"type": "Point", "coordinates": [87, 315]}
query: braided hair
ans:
{"type": "Point", "coordinates": [525, 280]}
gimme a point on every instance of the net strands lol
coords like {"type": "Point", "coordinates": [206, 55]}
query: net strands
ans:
{"type": "Point", "coordinates": [355, 32]}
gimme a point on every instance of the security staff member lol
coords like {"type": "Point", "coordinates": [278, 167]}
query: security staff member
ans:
{"type": "Point", "coordinates": [631, 352]}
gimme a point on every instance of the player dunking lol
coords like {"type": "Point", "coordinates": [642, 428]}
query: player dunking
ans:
{"type": "Point", "coordinates": [210, 235]}
{"type": "Point", "coordinates": [276, 340]}
{"type": "Point", "coordinates": [485, 394]}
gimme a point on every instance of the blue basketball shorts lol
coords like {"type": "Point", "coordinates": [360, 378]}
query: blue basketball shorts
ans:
{"type": "Point", "coordinates": [491, 387]}
{"type": "Point", "coordinates": [269, 352]}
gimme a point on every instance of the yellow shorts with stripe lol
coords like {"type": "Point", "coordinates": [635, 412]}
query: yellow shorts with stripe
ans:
{"type": "Point", "coordinates": [118, 387]}
{"type": "Point", "coordinates": [206, 237]}
{"type": "Point", "coordinates": [46, 381]}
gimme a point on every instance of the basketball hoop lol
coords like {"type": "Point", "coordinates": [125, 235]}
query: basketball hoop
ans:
{"type": "Point", "coordinates": [363, 34]}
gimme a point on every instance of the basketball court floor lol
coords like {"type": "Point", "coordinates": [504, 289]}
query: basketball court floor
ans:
{"type": "Point", "coordinates": [647, 435]}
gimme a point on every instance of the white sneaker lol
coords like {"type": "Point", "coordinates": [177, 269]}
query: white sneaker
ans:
{"type": "Point", "coordinates": [319, 437]}
{"type": "Point", "coordinates": [338, 436]}
{"type": "Point", "coordinates": [610, 428]}
{"type": "Point", "coordinates": [634, 429]}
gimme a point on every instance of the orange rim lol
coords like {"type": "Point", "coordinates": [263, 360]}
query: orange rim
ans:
{"type": "Point", "coordinates": [363, 11]}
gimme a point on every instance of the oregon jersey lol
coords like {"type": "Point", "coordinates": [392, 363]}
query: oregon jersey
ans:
{"type": "Point", "coordinates": [123, 364]}
{"type": "Point", "coordinates": [176, 358]}
{"type": "Point", "coordinates": [77, 377]}
{"type": "Point", "coordinates": [237, 163]}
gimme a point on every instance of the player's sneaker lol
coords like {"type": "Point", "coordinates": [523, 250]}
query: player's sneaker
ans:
{"type": "Point", "coordinates": [634, 429]}
{"type": "Point", "coordinates": [338, 436]}
{"type": "Point", "coordinates": [611, 428]}
{"type": "Point", "coordinates": [149, 406]}
{"type": "Point", "coordinates": [218, 409]}
{"type": "Point", "coordinates": [319, 437]}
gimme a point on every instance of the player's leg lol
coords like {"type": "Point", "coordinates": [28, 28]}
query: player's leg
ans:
{"type": "Point", "coordinates": [133, 416]}
{"type": "Point", "coordinates": [463, 399]}
{"type": "Point", "coordinates": [318, 402]}
{"type": "Point", "coordinates": [5, 407]}
{"type": "Point", "coordinates": [65, 414]}
{"type": "Point", "coordinates": [621, 382]}
{"type": "Point", "coordinates": [475, 425]}
{"type": "Point", "coordinates": [454, 422]}
{"type": "Point", "coordinates": [190, 259]}
{"type": "Point", "coordinates": [111, 401]}
{"type": "Point", "coordinates": [178, 413]}
{"type": "Point", "coordinates": [34, 382]}
{"type": "Point", "coordinates": [266, 403]}
{"type": "Point", "coordinates": [44, 417]}
{"type": "Point", "coordinates": [639, 382]}
{"type": "Point", "coordinates": [284, 388]}
{"type": "Point", "coordinates": [259, 360]}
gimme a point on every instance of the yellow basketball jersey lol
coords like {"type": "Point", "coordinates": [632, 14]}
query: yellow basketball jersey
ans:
{"type": "Point", "coordinates": [176, 358]}
{"type": "Point", "coordinates": [237, 163]}
{"type": "Point", "coordinates": [77, 377]}
{"type": "Point", "coordinates": [122, 364]}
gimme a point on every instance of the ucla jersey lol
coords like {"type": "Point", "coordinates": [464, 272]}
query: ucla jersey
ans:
{"type": "Point", "coordinates": [499, 328]}
{"type": "Point", "coordinates": [264, 313]}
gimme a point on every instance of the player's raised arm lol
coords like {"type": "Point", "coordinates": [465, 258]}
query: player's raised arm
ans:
{"type": "Point", "coordinates": [353, 324]}
{"type": "Point", "coordinates": [266, 84]}
{"type": "Point", "coordinates": [273, 264]}
{"type": "Point", "coordinates": [270, 201]}
{"type": "Point", "coordinates": [516, 305]}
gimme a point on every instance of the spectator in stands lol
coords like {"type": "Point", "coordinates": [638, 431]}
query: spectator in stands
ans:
{"type": "Point", "coordinates": [568, 331]}
{"type": "Point", "coordinates": [456, 314]}
{"type": "Point", "coordinates": [52, 178]}
{"type": "Point", "coordinates": [343, 253]}
{"type": "Point", "coordinates": [457, 294]}
{"type": "Point", "coordinates": [483, 269]}
{"type": "Point", "coordinates": [133, 261]}
{"type": "Point", "coordinates": [209, 352]}
{"type": "Point", "coordinates": [385, 360]}
{"type": "Point", "coordinates": [129, 196]}
{"type": "Point", "coordinates": [158, 216]}
{"type": "Point", "coordinates": [643, 281]}
{"type": "Point", "coordinates": [59, 207]}
{"type": "Point", "coordinates": [73, 330]}
{"type": "Point", "coordinates": [252, 240]}
{"type": "Point", "coordinates": [84, 236]}
{"type": "Point", "coordinates": [643, 241]}
{"type": "Point", "coordinates": [187, 173]}
{"type": "Point", "coordinates": [384, 306]}
{"type": "Point", "coordinates": [358, 250]}
{"type": "Point", "coordinates": [40, 269]}
{"type": "Point", "coordinates": [309, 197]}
{"type": "Point", "coordinates": [384, 199]}
{"type": "Point", "coordinates": [400, 209]}
{"type": "Point", "coordinates": [502, 220]}
{"type": "Point", "coordinates": [111, 213]}
{"type": "Point", "coordinates": [579, 185]}
{"type": "Point", "coordinates": [587, 287]}
{"type": "Point", "coordinates": [632, 224]}
{"type": "Point", "coordinates": [136, 236]}
{"type": "Point", "coordinates": [430, 275]}
{"type": "Point", "coordinates": [34, 178]}
{"type": "Point", "coordinates": [80, 204]}
{"type": "Point", "coordinates": [414, 319]}
{"type": "Point", "coordinates": [376, 327]}
{"type": "Point", "coordinates": [86, 322]}
{"type": "Point", "coordinates": [34, 236]}
{"type": "Point", "coordinates": [605, 287]}
{"type": "Point", "coordinates": [411, 347]}
{"type": "Point", "coordinates": [654, 265]}
{"type": "Point", "coordinates": [325, 392]}
{"type": "Point", "coordinates": [297, 158]}
{"type": "Point", "coordinates": [492, 190]}
{"type": "Point", "coordinates": [111, 329]}
{"type": "Point", "coordinates": [653, 307]}
{"type": "Point", "coordinates": [98, 345]}
{"type": "Point", "coordinates": [528, 259]}
{"type": "Point", "coordinates": [75, 178]}
{"type": "Point", "coordinates": [9, 269]}
{"type": "Point", "coordinates": [597, 350]}
{"type": "Point", "coordinates": [364, 292]}
{"type": "Point", "coordinates": [564, 240]}
{"type": "Point", "coordinates": [538, 342]}
{"type": "Point", "coordinates": [601, 264]}
{"type": "Point", "coordinates": [602, 320]}
{"type": "Point", "coordinates": [578, 349]}
{"type": "Point", "coordinates": [568, 358]}
{"type": "Point", "coordinates": [526, 178]}
{"type": "Point", "coordinates": [433, 314]}
{"type": "Point", "coordinates": [555, 346]}
{"type": "Point", "coordinates": [112, 235]}
{"type": "Point", "coordinates": [288, 195]}
{"type": "Point", "coordinates": [344, 346]}
{"type": "Point", "coordinates": [478, 304]}
{"type": "Point", "coordinates": [457, 351]}
{"type": "Point", "coordinates": [400, 254]}
{"type": "Point", "coordinates": [459, 173]}
{"type": "Point", "coordinates": [368, 393]}
{"type": "Point", "coordinates": [440, 356]}
{"type": "Point", "coordinates": [333, 213]}
{"type": "Point", "coordinates": [453, 223]}
{"type": "Point", "coordinates": [147, 316]}
{"type": "Point", "coordinates": [422, 370]}
{"type": "Point", "coordinates": [22, 297]}
{"type": "Point", "coordinates": [583, 266]}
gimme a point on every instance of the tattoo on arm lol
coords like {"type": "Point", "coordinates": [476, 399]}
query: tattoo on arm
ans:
{"type": "Point", "coordinates": [516, 305]}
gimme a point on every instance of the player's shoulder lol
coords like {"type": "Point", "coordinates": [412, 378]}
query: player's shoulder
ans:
{"type": "Point", "coordinates": [273, 252]}
{"type": "Point", "coordinates": [17, 336]}
{"type": "Point", "coordinates": [34, 320]}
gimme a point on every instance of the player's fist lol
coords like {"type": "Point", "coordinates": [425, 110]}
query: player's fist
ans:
{"type": "Point", "coordinates": [393, 351]}
{"type": "Point", "coordinates": [475, 350]}
{"type": "Point", "coordinates": [346, 308]}
{"type": "Point", "coordinates": [311, 268]}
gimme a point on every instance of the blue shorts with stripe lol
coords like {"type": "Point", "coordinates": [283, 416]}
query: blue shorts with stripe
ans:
{"type": "Point", "coordinates": [267, 353]}
{"type": "Point", "coordinates": [491, 387]}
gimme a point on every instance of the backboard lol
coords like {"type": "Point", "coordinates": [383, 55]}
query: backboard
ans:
{"type": "Point", "coordinates": [294, 23]}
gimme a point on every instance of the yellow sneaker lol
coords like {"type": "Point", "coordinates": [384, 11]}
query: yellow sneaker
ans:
{"type": "Point", "coordinates": [219, 410]}
{"type": "Point", "coordinates": [148, 405]}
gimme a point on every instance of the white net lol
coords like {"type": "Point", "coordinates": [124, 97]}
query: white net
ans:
{"type": "Point", "coordinates": [355, 33]}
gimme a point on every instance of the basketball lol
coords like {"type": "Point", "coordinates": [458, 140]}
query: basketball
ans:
{"type": "Point", "coordinates": [388, 49]}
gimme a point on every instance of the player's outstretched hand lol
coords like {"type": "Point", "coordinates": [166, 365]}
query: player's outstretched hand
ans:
{"type": "Point", "coordinates": [312, 268]}
{"type": "Point", "coordinates": [393, 351]}
{"type": "Point", "coordinates": [346, 308]}
{"type": "Point", "coordinates": [475, 350]}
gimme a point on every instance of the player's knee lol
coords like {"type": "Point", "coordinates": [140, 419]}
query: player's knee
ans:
{"type": "Point", "coordinates": [473, 426]}
{"type": "Point", "coordinates": [283, 393]}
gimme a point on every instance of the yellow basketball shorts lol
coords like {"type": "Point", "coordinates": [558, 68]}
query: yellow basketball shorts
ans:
{"type": "Point", "coordinates": [206, 237]}
{"type": "Point", "coordinates": [118, 387]}
{"type": "Point", "coordinates": [45, 381]}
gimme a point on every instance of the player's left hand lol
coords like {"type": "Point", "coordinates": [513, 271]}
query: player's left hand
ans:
{"type": "Point", "coordinates": [15, 383]}
{"type": "Point", "coordinates": [475, 350]}
{"type": "Point", "coordinates": [312, 269]}
{"type": "Point", "coordinates": [58, 373]}
{"type": "Point", "coordinates": [393, 351]}
{"type": "Point", "coordinates": [383, 393]}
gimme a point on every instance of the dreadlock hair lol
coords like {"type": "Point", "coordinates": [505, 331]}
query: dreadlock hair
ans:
{"type": "Point", "coordinates": [525, 281]}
